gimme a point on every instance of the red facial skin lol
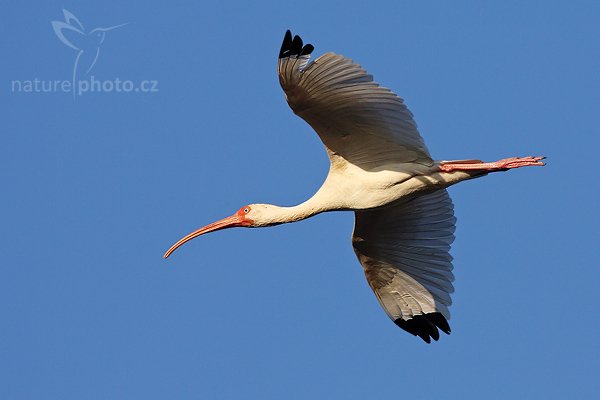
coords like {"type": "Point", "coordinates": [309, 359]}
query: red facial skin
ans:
{"type": "Point", "coordinates": [242, 215]}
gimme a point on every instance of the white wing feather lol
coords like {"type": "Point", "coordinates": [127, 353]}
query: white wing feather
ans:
{"type": "Point", "coordinates": [364, 123]}
{"type": "Point", "coordinates": [404, 250]}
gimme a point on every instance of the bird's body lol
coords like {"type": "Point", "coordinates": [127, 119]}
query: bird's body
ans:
{"type": "Point", "coordinates": [354, 188]}
{"type": "Point", "coordinates": [381, 169]}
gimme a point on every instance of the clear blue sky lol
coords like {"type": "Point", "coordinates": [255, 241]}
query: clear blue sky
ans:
{"type": "Point", "coordinates": [95, 189]}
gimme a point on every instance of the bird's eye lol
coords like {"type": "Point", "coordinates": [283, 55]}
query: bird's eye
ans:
{"type": "Point", "coordinates": [246, 210]}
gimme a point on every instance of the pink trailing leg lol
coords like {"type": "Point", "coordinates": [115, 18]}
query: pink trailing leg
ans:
{"type": "Point", "coordinates": [501, 165]}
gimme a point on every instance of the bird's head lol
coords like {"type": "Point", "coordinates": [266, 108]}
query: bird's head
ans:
{"type": "Point", "coordinates": [250, 216]}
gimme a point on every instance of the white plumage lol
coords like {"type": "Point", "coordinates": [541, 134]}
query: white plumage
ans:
{"type": "Point", "coordinates": [381, 169]}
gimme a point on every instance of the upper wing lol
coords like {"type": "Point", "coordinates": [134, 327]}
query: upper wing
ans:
{"type": "Point", "coordinates": [404, 251]}
{"type": "Point", "coordinates": [357, 119]}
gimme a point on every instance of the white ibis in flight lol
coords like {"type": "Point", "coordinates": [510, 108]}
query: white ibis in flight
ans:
{"type": "Point", "coordinates": [381, 169]}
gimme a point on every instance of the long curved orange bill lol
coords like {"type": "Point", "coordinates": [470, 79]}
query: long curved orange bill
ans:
{"type": "Point", "coordinates": [229, 222]}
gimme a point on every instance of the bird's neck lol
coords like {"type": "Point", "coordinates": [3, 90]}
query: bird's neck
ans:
{"type": "Point", "coordinates": [283, 215]}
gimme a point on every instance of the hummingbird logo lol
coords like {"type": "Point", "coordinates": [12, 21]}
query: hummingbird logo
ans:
{"type": "Point", "coordinates": [87, 44]}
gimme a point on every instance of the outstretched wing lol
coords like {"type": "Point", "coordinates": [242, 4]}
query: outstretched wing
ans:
{"type": "Point", "coordinates": [357, 119]}
{"type": "Point", "coordinates": [404, 250]}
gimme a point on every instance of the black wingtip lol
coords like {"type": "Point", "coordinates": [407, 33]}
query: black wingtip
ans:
{"type": "Point", "coordinates": [440, 321]}
{"type": "Point", "coordinates": [425, 326]}
{"type": "Point", "coordinates": [286, 45]}
{"type": "Point", "coordinates": [307, 49]}
{"type": "Point", "coordinates": [294, 46]}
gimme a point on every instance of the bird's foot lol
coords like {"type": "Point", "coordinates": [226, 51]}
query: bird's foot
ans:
{"type": "Point", "coordinates": [500, 165]}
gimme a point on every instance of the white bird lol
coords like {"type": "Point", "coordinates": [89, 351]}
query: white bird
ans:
{"type": "Point", "coordinates": [381, 170]}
